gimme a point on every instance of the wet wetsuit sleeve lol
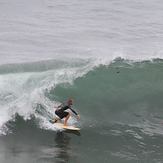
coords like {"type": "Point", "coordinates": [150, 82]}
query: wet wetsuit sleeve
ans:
{"type": "Point", "coordinates": [74, 111]}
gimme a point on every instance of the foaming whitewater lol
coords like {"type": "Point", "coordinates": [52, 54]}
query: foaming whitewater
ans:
{"type": "Point", "coordinates": [23, 93]}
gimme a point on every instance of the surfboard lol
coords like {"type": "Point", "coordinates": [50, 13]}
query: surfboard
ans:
{"type": "Point", "coordinates": [61, 125]}
{"type": "Point", "coordinates": [70, 128]}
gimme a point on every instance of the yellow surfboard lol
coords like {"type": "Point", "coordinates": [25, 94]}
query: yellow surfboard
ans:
{"type": "Point", "coordinates": [61, 125]}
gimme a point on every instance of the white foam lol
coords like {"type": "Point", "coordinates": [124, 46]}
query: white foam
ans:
{"type": "Point", "coordinates": [21, 92]}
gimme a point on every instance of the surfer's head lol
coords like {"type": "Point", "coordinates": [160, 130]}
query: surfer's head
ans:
{"type": "Point", "coordinates": [70, 101]}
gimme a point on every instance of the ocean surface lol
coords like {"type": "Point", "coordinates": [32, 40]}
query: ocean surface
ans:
{"type": "Point", "coordinates": [105, 54]}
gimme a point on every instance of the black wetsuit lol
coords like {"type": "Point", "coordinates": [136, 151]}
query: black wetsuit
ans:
{"type": "Point", "coordinates": [61, 113]}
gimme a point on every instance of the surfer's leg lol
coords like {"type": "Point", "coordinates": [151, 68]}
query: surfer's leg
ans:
{"type": "Point", "coordinates": [66, 119]}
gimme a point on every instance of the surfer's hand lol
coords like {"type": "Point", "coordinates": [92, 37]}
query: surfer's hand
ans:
{"type": "Point", "coordinates": [78, 117]}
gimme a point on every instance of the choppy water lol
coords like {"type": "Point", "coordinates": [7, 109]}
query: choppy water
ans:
{"type": "Point", "coordinates": [105, 54]}
{"type": "Point", "coordinates": [44, 29]}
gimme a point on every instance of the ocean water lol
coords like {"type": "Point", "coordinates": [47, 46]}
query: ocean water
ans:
{"type": "Point", "coordinates": [106, 55]}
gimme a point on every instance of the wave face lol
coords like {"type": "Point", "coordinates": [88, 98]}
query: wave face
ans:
{"type": "Point", "coordinates": [123, 92]}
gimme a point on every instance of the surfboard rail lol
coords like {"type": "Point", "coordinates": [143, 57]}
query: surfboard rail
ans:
{"type": "Point", "coordinates": [62, 126]}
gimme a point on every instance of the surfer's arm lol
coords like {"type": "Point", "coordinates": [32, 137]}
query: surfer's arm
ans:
{"type": "Point", "coordinates": [78, 116]}
{"type": "Point", "coordinates": [74, 111]}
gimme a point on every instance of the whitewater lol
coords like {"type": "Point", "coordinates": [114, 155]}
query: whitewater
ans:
{"type": "Point", "coordinates": [107, 55]}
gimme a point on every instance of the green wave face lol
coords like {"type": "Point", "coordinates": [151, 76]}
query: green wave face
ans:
{"type": "Point", "coordinates": [121, 92]}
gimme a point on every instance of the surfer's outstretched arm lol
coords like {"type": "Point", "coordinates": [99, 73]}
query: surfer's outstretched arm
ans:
{"type": "Point", "coordinates": [78, 116]}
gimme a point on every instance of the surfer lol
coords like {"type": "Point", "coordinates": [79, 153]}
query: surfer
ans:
{"type": "Point", "coordinates": [62, 112]}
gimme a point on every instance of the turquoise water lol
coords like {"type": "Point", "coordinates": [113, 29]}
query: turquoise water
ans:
{"type": "Point", "coordinates": [120, 107]}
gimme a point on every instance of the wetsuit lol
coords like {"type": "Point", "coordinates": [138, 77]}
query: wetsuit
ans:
{"type": "Point", "coordinates": [61, 113]}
